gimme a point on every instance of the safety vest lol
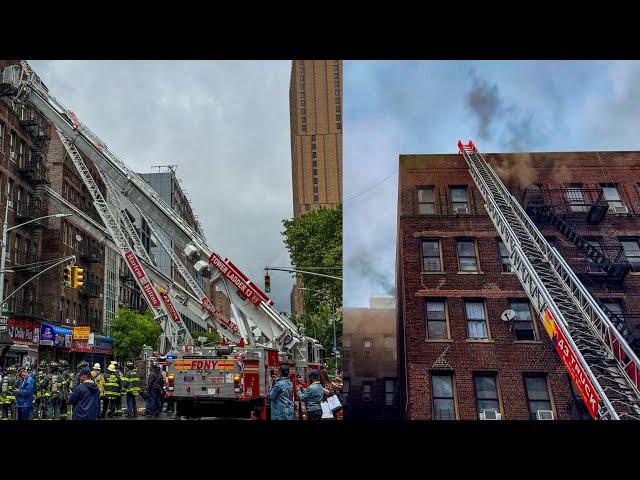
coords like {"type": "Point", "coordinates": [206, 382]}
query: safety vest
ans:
{"type": "Point", "coordinates": [111, 386]}
{"type": "Point", "coordinates": [43, 387]}
{"type": "Point", "coordinates": [133, 382]}
{"type": "Point", "coordinates": [8, 383]}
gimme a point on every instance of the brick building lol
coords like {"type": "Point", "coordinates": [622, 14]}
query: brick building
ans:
{"type": "Point", "coordinates": [370, 362]}
{"type": "Point", "coordinates": [456, 356]}
{"type": "Point", "coordinates": [69, 307]}
{"type": "Point", "coordinates": [24, 139]}
{"type": "Point", "coordinates": [315, 106]}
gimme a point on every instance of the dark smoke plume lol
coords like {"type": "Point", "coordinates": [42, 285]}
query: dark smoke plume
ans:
{"type": "Point", "coordinates": [363, 265]}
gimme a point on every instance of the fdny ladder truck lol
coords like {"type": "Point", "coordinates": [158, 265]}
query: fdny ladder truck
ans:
{"type": "Point", "coordinates": [601, 364]}
{"type": "Point", "coordinates": [229, 377]}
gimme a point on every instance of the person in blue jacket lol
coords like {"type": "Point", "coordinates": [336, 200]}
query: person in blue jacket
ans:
{"type": "Point", "coordinates": [24, 394]}
{"type": "Point", "coordinates": [313, 395]}
{"type": "Point", "coordinates": [85, 398]}
{"type": "Point", "coordinates": [280, 396]}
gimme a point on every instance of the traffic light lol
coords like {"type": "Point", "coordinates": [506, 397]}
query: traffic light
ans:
{"type": "Point", "coordinates": [267, 283]}
{"type": "Point", "coordinates": [67, 275]}
{"type": "Point", "coordinates": [78, 277]}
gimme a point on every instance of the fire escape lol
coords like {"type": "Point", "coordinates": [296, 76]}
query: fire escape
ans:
{"type": "Point", "coordinates": [567, 207]}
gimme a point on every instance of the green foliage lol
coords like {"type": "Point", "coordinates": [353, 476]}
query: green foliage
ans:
{"type": "Point", "coordinates": [131, 330]}
{"type": "Point", "coordinates": [315, 240]}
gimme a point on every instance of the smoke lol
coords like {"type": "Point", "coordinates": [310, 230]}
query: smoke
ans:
{"type": "Point", "coordinates": [507, 125]}
{"type": "Point", "coordinates": [485, 103]}
{"type": "Point", "coordinates": [363, 265]}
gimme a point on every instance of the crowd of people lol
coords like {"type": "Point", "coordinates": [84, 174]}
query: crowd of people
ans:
{"type": "Point", "coordinates": [318, 391]}
{"type": "Point", "coordinates": [53, 390]}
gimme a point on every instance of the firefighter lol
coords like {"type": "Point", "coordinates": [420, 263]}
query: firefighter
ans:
{"type": "Point", "coordinates": [132, 389]}
{"type": "Point", "coordinates": [67, 380]}
{"type": "Point", "coordinates": [99, 379]}
{"type": "Point", "coordinates": [55, 388]}
{"type": "Point", "coordinates": [112, 389]}
{"type": "Point", "coordinates": [43, 391]}
{"type": "Point", "coordinates": [9, 382]}
{"type": "Point", "coordinates": [76, 376]}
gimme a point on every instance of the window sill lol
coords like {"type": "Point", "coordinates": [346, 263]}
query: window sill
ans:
{"type": "Point", "coordinates": [437, 273]}
{"type": "Point", "coordinates": [439, 340]}
{"type": "Point", "coordinates": [470, 273]}
{"type": "Point", "coordinates": [480, 340]}
{"type": "Point", "coordinates": [508, 273]}
{"type": "Point", "coordinates": [539, 342]}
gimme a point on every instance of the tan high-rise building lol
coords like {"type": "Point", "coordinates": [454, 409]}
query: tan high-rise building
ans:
{"type": "Point", "coordinates": [315, 105]}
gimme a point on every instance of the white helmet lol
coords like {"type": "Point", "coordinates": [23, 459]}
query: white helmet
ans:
{"type": "Point", "coordinates": [97, 366]}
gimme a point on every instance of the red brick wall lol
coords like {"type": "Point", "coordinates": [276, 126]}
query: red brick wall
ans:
{"type": "Point", "coordinates": [502, 354]}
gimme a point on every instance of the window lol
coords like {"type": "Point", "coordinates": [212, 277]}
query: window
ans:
{"type": "Point", "coordinates": [315, 188]}
{"type": "Point", "coordinates": [335, 75]}
{"type": "Point", "coordinates": [611, 195]}
{"type": "Point", "coordinates": [523, 322]}
{"type": "Point", "coordinates": [338, 118]}
{"type": "Point", "coordinates": [313, 138]}
{"type": "Point", "coordinates": [537, 394]}
{"type": "Point", "coordinates": [12, 143]}
{"type": "Point", "coordinates": [337, 101]}
{"type": "Point", "coordinates": [476, 321]}
{"type": "Point", "coordinates": [18, 199]}
{"type": "Point", "coordinates": [467, 260]}
{"type": "Point", "coordinates": [367, 392]}
{"type": "Point", "coordinates": [335, 68]}
{"type": "Point", "coordinates": [459, 201]}
{"type": "Point", "coordinates": [632, 251]}
{"type": "Point", "coordinates": [314, 163]}
{"type": "Point", "coordinates": [337, 92]}
{"type": "Point", "coordinates": [505, 261]}
{"type": "Point", "coordinates": [346, 386]}
{"type": "Point", "coordinates": [302, 111]}
{"type": "Point", "coordinates": [2, 135]}
{"type": "Point", "coordinates": [304, 120]}
{"type": "Point", "coordinates": [431, 260]}
{"type": "Point", "coordinates": [389, 348]}
{"type": "Point", "coordinates": [389, 392]}
{"type": "Point", "coordinates": [315, 172]}
{"type": "Point", "coordinates": [10, 190]}
{"type": "Point", "coordinates": [314, 154]}
{"type": "Point", "coordinates": [575, 198]}
{"type": "Point", "coordinates": [339, 126]}
{"type": "Point", "coordinates": [367, 346]}
{"type": "Point", "coordinates": [437, 320]}
{"type": "Point", "coordinates": [486, 386]}
{"type": "Point", "coordinates": [443, 397]}
{"type": "Point", "coordinates": [592, 264]}
{"type": "Point", "coordinates": [306, 206]}
{"type": "Point", "coordinates": [316, 198]}
{"type": "Point", "coordinates": [16, 250]}
{"type": "Point", "coordinates": [346, 343]}
{"type": "Point", "coordinates": [304, 128]}
{"type": "Point", "coordinates": [302, 103]}
{"type": "Point", "coordinates": [315, 180]}
{"type": "Point", "coordinates": [313, 146]}
{"type": "Point", "coordinates": [426, 201]}
{"type": "Point", "coordinates": [615, 308]}
{"type": "Point", "coordinates": [21, 154]}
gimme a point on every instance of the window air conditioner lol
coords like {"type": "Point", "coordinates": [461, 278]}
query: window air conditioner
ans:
{"type": "Point", "coordinates": [461, 210]}
{"type": "Point", "coordinates": [545, 415]}
{"type": "Point", "coordinates": [620, 209]}
{"type": "Point", "coordinates": [13, 155]}
{"type": "Point", "coordinates": [490, 415]}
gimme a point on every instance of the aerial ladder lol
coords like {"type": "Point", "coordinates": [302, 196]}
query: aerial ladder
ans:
{"type": "Point", "coordinates": [604, 369]}
{"type": "Point", "coordinates": [247, 297]}
{"type": "Point", "coordinates": [225, 327]}
{"type": "Point", "coordinates": [175, 335]}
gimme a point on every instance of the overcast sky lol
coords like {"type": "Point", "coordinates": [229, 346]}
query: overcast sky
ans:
{"type": "Point", "coordinates": [391, 108]}
{"type": "Point", "coordinates": [224, 123]}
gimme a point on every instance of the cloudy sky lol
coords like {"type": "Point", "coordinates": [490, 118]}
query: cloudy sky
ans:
{"type": "Point", "coordinates": [392, 108]}
{"type": "Point", "coordinates": [225, 124]}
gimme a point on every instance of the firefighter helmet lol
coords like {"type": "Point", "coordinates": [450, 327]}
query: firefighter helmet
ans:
{"type": "Point", "coordinates": [82, 364]}
{"type": "Point", "coordinates": [129, 364]}
{"type": "Point", "coordinates": [63, 364]}
{"type": "Point", "coordinates": [53, 365]}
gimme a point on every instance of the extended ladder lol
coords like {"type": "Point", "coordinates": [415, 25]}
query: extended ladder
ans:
{"type": "Point", "coordinates": [603, 367]}
{"type": "Point", "coordinates": [225, 326]}
{"type": "Point", "coordinates": [176, 335]}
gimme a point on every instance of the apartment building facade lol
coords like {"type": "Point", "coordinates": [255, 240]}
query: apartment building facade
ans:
{"type": "Point", "coordinates": [457, 357]}
{"type": "Point", "coordinates": [370, 362]}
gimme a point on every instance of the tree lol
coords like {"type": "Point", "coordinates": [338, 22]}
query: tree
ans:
{"type": "Point", "coordinates": [131, 330]}
{"type": "Point", "coordinates": [315, 240]}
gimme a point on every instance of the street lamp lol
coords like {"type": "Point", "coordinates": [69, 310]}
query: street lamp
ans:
{"type": "Point", "coordinates": [5, 230]}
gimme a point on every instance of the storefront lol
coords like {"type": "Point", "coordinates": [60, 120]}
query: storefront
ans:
{"type": "Point", "coordinates": [94, 349]}
{"type": "Point", "coordinates": [55, 342]}
{"type": "Point", "coordinates": [25, 335]}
